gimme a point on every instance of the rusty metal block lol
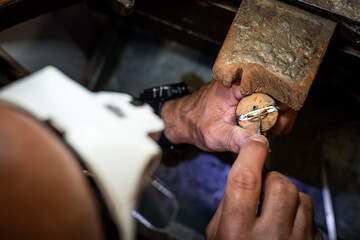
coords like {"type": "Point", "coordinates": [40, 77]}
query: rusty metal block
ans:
{"type": "Point", "coordinates": [273, 48]}
{"type": "Point", "coordinates": [349, 8]}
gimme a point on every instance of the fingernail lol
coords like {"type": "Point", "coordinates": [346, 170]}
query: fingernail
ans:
{"type": "Point", "coordinates": [259, 138]}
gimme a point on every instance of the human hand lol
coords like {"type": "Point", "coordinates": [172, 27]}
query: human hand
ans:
{"type": "Point", "coordinates": [207, 120]}
{"type": "Point", "coordinates": [285, 121]}
{"type": "Point", "coordinates": [285, 214]}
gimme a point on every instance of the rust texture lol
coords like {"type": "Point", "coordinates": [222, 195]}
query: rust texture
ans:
{"type": "Point", "coordinates": [346, 8]}
{"type": "Point", "coordinates": [273, 48]}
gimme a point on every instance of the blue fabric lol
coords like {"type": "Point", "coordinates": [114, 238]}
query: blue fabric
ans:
{"type": "Point", "coordinates": [199, 185]}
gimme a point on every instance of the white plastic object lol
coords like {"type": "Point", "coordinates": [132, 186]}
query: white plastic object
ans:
{"type": "Point", "coordinates": [105, 129]}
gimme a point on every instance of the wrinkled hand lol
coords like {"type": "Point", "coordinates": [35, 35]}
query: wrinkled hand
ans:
{"type": "Point", "coordinates": [285, 214]}
{"type": "Point", "coordinates": [206, 119]}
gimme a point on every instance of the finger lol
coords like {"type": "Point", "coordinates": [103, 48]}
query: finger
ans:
{"type": "Point", "coordinates": [280, 202]}
{"type": "Point", "coordinates": [280, 125]}
{"type": "Point", "coordinates": [285, 122]}
{"type": "Point", "coordinates": [304, 220]}
{"type": "Point", "coordinates": [225, 136]}
{"type": "Point", "coordinates": [283, 107]}
{"type": "Point", "coordinates": [236, 90]}
{"type": "Point", "coordinates": [289, 126]}
{"type": "Point", "coordinates": [212, 227]}
{"type": "Point", "coordinates": [233, 137]}
{"type": "Point", "coordinates": [244, 184]}
{"type": "Point", "coordinates": [232, 93]}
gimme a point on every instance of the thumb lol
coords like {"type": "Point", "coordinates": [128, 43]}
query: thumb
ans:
{"type": "Point", "coordinates": [234, 137]}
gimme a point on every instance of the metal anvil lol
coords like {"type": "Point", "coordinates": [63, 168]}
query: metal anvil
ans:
{"type": "Point", "coordinates": [273, 48]}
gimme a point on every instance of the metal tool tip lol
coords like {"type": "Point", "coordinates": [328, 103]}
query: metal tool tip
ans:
{"type": "Point", "coordinates": [259, 124]}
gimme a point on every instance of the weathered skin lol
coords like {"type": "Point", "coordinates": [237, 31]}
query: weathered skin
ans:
{"type": "Point", "coordinates": [275, 49]}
